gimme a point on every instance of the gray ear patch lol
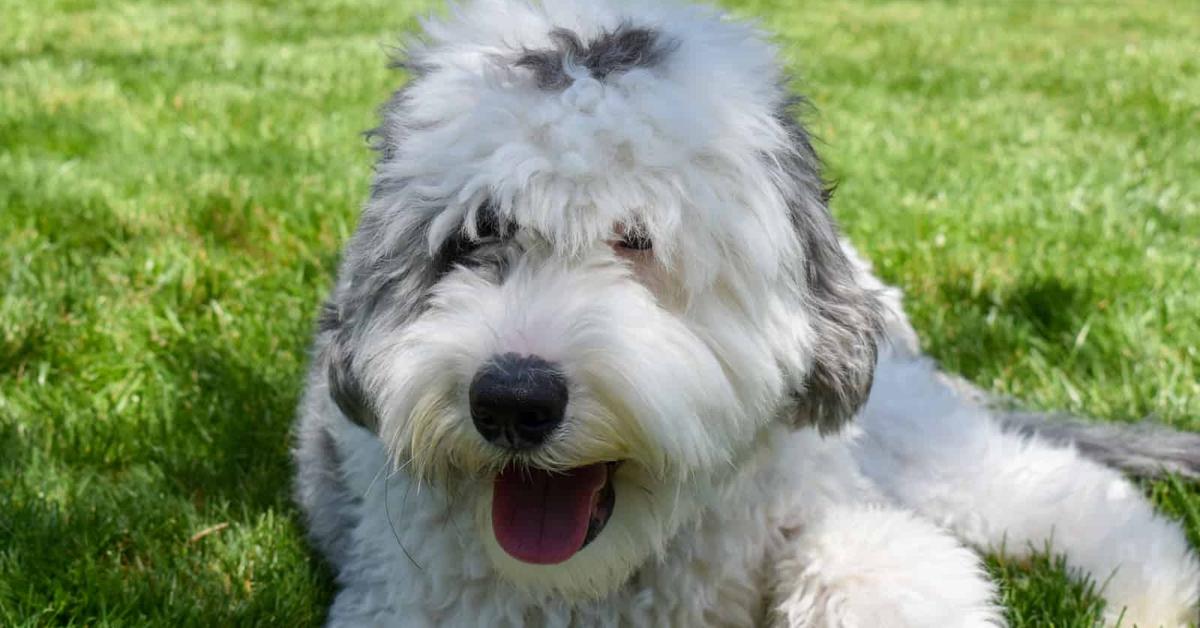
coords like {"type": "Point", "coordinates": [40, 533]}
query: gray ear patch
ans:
{"type": "Point", "coordinates": [847, 317]}
{"type": "Point", "coordinates": [345, 386]}
{"type": "Point", "coordinates": [848, 322]}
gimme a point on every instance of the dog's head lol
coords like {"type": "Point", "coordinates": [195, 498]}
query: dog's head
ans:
{"type": "Point", "coordinates": [597, 269]}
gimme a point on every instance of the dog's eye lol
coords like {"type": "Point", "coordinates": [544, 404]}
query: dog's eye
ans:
{"type": "Point", "coordinates": [635, 242]}
{"type": "Point", "coordinates": [488, 228]}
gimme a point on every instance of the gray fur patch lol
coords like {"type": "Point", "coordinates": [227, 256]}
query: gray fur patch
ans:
{"type": "Point", "coordinates": [327, 320]}
{"type": "Point", "coordinates": [1145, 449]}
{"type": "Point", "coordinates": [386, 287]}
{"type": "Point", "coordinates": [345, 386]}
{"type": "Point", "coordinates": [847, 317]}
{"type": "Point", "coordinates": [619, 50]}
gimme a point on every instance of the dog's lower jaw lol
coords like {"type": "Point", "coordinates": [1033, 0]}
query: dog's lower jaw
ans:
{"type": "Point", "coordinates": [637, 531]}
{"type": "Point", "coordinates": [651, 520]}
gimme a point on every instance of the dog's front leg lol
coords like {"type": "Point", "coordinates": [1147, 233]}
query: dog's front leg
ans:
{"type": "Point", "coordinates": [861, 565]}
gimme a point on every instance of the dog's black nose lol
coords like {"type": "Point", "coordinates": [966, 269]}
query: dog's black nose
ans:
{"type": "Point", "coordinates": [517, 401]}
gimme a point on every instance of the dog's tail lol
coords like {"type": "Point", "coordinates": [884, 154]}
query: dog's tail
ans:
{"type": "Point", "coordinates": [1146, 449]}
{"type": "Point", "coordinates": [1016, 483]}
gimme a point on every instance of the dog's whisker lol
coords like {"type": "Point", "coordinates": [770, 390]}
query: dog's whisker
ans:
{"type": "Point", "coordinates": [392, 522]}
{"type": "Point", "coordinates": [381, 471]}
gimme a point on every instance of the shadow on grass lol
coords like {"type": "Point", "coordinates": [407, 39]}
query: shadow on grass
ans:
{"type": "Point", "coordinates": [117, 542]}
{"type": "Point", "coordinates": [230, 439]}
{"type": "Point", "coordinates": [991, 326]}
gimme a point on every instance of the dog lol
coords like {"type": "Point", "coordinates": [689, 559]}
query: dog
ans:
{"type": "Point", "coordinates": [597, 356]}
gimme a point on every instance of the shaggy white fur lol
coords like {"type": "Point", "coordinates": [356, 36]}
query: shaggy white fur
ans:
{"type": "Point", "coordinates": [618, 189]}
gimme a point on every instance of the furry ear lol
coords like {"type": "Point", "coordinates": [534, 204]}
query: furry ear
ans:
{"type": "Point", "coordinates": [385, 281]}
{"type": "Point", "coordinates": [847, 317]}
{"type": "Point", "coordinates": [345, 385]}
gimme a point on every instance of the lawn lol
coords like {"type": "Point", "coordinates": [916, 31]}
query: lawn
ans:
{"type": "Point", "coordinates": [176, 178]}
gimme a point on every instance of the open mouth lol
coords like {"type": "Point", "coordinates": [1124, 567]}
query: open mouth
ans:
{"type": "Point", "coordinates": [545, 517]}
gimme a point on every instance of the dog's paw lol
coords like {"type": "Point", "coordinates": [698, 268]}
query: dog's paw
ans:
{"type": "Point", "coordinates": [875, 566]}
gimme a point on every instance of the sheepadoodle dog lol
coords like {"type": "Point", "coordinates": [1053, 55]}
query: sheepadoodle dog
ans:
{"type": "Point", "coordinates": [596, 356]}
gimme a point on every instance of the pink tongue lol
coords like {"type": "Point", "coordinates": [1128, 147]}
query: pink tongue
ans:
{"type": "Point", "coordinates": [541, 517]}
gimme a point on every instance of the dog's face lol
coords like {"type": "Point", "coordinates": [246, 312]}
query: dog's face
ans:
{"type": "Point", "coordinates": [596, 268]}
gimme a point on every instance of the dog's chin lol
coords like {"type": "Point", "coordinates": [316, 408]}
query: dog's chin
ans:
{"type": "Point", "coordinates": [579, 534]}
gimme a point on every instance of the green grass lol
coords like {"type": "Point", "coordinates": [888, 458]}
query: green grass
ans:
{"type": "Point", "coordinates": [176, 178]}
